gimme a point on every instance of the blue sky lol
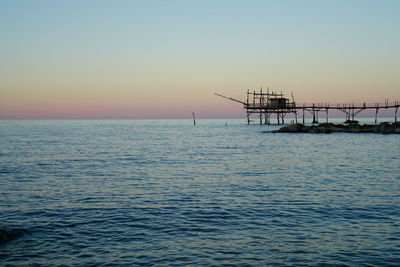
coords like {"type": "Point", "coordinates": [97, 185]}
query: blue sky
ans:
{"type": "Point", "coordinates": [78, 57]}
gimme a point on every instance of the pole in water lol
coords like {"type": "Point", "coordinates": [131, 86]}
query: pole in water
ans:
{"type": "Point", "coordinates": [326, 110]}
{"type": "Point", "coordinates": [194, 119]}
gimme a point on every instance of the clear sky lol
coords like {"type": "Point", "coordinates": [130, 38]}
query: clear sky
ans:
{"type": "Point", "coordinates": [166, 58]}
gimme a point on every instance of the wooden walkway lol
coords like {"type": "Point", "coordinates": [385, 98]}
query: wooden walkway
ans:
{"type": "Point", "coordinates": [265, 105]}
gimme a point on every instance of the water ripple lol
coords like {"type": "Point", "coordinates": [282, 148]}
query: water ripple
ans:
{"type": "Point", "coordinates": [134, 193]}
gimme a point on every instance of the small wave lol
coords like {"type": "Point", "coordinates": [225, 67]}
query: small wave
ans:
{"type": "Point", "coordinates": [6, 170]}
{"type": "Point", "coordinates": [44, 164]}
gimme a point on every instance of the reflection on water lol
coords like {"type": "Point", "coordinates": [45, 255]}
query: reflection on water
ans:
{"type": "Point", "coordinates": [166, 192]}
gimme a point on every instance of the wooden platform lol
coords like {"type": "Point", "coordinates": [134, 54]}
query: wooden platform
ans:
{"type": "Point", "coordinates": [265, 105]}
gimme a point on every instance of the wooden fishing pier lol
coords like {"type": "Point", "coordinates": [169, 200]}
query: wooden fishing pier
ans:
{"type": "Point", "coordinates": [266, 104]}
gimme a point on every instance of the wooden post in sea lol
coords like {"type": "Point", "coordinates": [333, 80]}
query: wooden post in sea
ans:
{"type": "Point", "coordinates": [376, 112]}
{"type": "Point", "coordinates": [194, 119]}
{"type": "Point", "coordinates": [326, 110]}
{"type": "Point", "coordinates": [313, 114]}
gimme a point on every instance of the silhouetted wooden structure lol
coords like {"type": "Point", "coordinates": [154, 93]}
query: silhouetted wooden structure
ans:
{"type": "Point", "coordinates": [266, 104]}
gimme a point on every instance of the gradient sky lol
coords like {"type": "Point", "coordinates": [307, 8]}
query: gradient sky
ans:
{"type": "Point", "coordinates": [165, 59]}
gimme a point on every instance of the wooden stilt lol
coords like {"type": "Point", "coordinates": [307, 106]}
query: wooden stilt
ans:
{"type": "Point", "coordinates": [326, 110]}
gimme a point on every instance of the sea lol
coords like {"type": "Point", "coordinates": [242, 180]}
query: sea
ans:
{"type": "Point", "coordinates": [218, 193]}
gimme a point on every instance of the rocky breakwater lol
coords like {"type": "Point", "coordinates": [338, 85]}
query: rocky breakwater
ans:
{"type": "Point", "coordinates": [383, 128]}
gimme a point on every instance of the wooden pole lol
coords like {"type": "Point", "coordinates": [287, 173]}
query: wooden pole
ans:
{"type": "Point", "coordinates": [313, 114]}
{"type": "Point", "coordinates": [326, 110]}
{"type": "Point", "coordinates": [194, 119]}
{"type": "Point", "coordinates": [248, 92]}
{"type": "Point", "coordinates": [260, 106]}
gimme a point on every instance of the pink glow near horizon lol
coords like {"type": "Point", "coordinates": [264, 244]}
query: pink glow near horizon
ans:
{"type": "Point", "coordinates": [77, 59]}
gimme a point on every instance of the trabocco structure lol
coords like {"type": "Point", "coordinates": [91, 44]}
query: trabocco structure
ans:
{"type": "Point", "coordinates": [265, 104]}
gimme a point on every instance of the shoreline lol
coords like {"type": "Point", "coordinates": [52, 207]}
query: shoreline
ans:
{"type": "Point", "coordinates": [382, 128]}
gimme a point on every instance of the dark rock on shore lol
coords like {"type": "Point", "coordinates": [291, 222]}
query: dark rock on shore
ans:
{"type": "Point", "coordinates": [384, 128]}
{"type": "Point", "coordinates": [351, 122]}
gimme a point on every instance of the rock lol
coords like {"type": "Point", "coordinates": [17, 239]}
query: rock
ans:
{"type": "Point", "coordinates": [340, 126]}
{"type": "Point", "coordinates": [293, 128]}
{"type": "Point", "coordinates": [3, 236]}
{"type": "Point", "coordinates": [8, 235]}
{"type": "Point", "coordinates": [326, 130]}
{"type": "Point", "coordinates": [366, 128]}
{"type": "Point", "coordinates": [326, 124]}
{"type": "Point", "coordinates": [354, 128]}
{"type": "Point", "coordinates": [385, 128]}
{"type": "Point", "coordinates": [351, 122]}
{"type": "Point", "coordinates": [337, 129]}
{"type": "Point", "coordinates": [314, 130]}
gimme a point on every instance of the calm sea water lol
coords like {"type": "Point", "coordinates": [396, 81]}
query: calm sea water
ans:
{"type": "Point", "coordinates": [160, 193]}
